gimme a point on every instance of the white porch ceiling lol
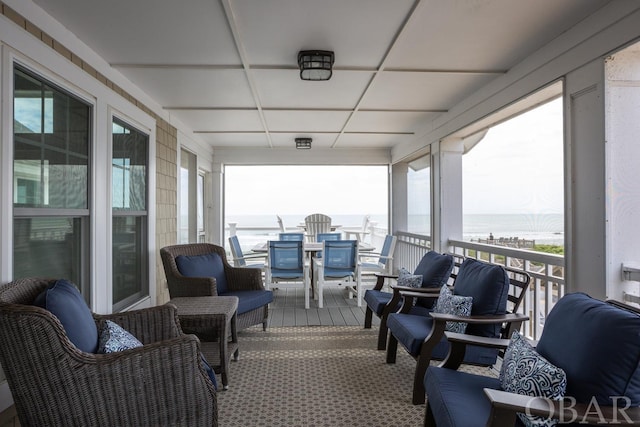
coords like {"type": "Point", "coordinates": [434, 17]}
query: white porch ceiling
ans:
{"type": "Point", "coordinates": [228, 68]}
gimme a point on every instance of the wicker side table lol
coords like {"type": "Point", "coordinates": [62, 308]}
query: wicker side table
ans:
{"type": "Point", "coordinates": [212, 319]}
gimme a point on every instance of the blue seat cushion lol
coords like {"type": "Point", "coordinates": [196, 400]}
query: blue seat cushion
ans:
{"type": "Point", "coordinates": [206, 265]}
{"type": "Point", "coordinates": [377, 300]}
{"type": "Point", "coordinates": [597, 345]}
{"type": "Point", "coordinates": [411, 330]}
{"type": "Point", "coordinates": [250, 300]}
{"type": "Point", "coordinates": [456, 398]}
{"type": "Point", "coordinates": [64, 301]}
{"type": "Point", "coordinates": [435, 269]}
{"type": "Point", "coordinates": [488, 285]}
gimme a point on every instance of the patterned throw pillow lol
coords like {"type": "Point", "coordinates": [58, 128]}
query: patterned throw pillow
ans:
{"type": "Point", "coordinates": [525, 372]}
{"type": "Point", "coordinates": [114, 338]}
{"type": "Point", "coordinates": [405, 278]}
{"type": "Point", "coordinates": [448, 303]}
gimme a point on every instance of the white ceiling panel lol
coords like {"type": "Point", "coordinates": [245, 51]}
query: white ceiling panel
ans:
{"type": "Point", "coordinates": [483, 35]}
{"type": "Point", "coordinates": [228, 69]}
{"type": "Point", "coordinates": [387, 121]}
{"type": "Point", "coordinates": [362, 140]}
{"type": "Point", "coordinates": [235, 139]}
{"type": "Point", "coordinates": [359, 32]}
{"type": "Point", "coordinates": [220, 120]}
{"type": "Point", "coordinates": [421, 91]}
{"type": "Point", "coordinates": [306, 121]}
{"type": "Point", "coordinates": [150, 31]}
{"type": "Point", "coordinates": [194, 87]}
{"type": "Point", "coordinates": [285, 89]}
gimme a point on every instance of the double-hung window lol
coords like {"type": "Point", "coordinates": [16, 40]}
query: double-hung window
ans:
{"type": "Point", "coordinates": [129, 170]}
{"type": "Point", "coordinates": [51, 176]}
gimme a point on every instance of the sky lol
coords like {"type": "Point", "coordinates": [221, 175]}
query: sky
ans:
{"type": "Point", "coordinates": [286, 190]}
{"type": "Point", "coordinates": [516, 168]}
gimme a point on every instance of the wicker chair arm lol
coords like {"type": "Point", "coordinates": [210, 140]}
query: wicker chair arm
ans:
{"type": "Point", "coordinates": [505, 405]}
{"type": "Point", "coordinates": [243, 279]}
{"type": "Point", "coordinates": [193, 287]}
{"type": "Point", "coordinates": [147, 325]}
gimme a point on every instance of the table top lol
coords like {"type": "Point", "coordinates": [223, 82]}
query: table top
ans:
{"type": "Point", "coordinates": [205, 306]}
{"type": "Point", "coordinates": [313, 247]}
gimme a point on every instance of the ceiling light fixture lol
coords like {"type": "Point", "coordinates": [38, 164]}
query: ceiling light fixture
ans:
{"type": "Point", "coordinates": [303, 143]}
{"type": "Point", "coordinates": [315, 64]}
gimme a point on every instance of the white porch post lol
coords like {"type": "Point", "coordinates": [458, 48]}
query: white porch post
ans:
{"type": "Point", "coordinates": [622, 91]}
{"type": "Point", "coordinates": [446, 223]}
{"type": "Point", "coordinates": [399, 219]}
{"type": "Point", "coordinates": [585, 181]}
{"type": "Point", "coordinates": [216, 209]}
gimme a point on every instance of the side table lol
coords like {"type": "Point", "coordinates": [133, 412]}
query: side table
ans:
{"type": "Point", "coordinates": [212, 319]}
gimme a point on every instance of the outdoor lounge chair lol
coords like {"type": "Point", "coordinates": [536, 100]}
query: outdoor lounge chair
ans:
{"type": "Point", "coordinates": [596, 344]}
{"type": "Point", "coordinates": [201, 269]}
{"type": "Point", "coordinates": [435, 270]}
{"type": "Point", "coordinates": [57, 379]}
{"type": "Point", "coordinates": [496, 293]}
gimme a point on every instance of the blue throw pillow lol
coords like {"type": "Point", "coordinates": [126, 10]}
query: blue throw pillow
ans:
{"type": "Point", "coordinates": [407, 279]}
{"type": "Point", "coordinates": [64, 301]}
{"type": "Point", "coordinates": [525, 372]}
{"type": "Point", "coordinates": [448, 303]}
{"type": "Point", "coordinates": [207, 265]}
{"type": "Point", "coordinates": [114, 338]}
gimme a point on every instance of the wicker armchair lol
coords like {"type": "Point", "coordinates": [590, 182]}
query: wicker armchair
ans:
{"type": "Point", "coordinates": [241, 282]}
{"type": "Point", "coordinates": [53, 383]}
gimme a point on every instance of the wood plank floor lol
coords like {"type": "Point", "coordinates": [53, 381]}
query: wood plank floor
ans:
{"type": "Point", "coordinates": [287, 309]}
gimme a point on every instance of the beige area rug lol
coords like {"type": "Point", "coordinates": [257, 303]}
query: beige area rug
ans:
{"type": "Point", "coordinates": [318, 376]}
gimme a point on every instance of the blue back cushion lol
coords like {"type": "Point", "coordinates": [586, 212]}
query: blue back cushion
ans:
{"type": "Point", "coordinates": [488, 285]}
{"type": "Point", "coordinates": [207, 265]}
{"type": "Point", "coordinates": [64, 301]}
{"type": "Point", "coordinates": [435, 270]}
{"type": "Point", "coordinates": [597, 345]}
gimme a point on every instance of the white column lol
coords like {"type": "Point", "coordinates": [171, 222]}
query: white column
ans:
{"type": "Point", "coordinates": [622, 91]}
{"type": "Point", "coordinates": [446, 209]}
{"type": "Point", "coordinates": [399, 219]}
{"type": "Point", "coordinates": [585, 179]}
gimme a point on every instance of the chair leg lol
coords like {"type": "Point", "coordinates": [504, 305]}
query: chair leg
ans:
{"type": "Point", "coordinates": [368, 318]}
{"type": "Point", "coordinates": [418, 381]}
{"type": "Point", "coordinates": [264, 325]}
{"type": "Point", "coordinates": [382, 333]}
{"type": "Point", "coordinates": [392, 349]}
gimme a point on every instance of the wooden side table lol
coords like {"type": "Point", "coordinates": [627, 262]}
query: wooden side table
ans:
{"type": "Point", "coordinates": [212, 319]}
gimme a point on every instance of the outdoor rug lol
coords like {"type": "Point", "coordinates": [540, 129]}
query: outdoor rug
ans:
{"type": "Point", "coordinates": [318, 376]}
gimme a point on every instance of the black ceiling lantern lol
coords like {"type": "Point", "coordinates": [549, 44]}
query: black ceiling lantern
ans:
{"type": "Point", "coordinates": [303, 143]}
{"type": "Point", "coordinates": [315, 64]}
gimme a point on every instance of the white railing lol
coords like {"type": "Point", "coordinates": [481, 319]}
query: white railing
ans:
{"type": "Point", "coordinates": [546, 271]}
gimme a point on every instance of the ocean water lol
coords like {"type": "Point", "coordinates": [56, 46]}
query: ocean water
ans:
{"type": "Point", "coordinates": [544, 228]}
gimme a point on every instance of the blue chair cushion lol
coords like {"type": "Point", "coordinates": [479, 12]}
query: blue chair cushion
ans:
{"type": "Point", "coordinates": [377, 300]}
{"type": "Point", "coordinates": [412, 329]}
{"type": "Point", "coordinates": [435, 269]}
{"type": "Point", "coordinates": [113, 338]}
{"type": "Point", "coordinates": [64, 301]}
{"type": "Point", "coordinates": [597, 345]}
{"type": "Point", "coordinates": [488, 285]}
{"type": "Point", "coordinates": [456, 398]}
{"type": "Point", "coordinates": [210, 372]}
{"type": "Point", "coordinates": [250, 300]}
{"type": "Point", "coordinates": [207, 265]}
